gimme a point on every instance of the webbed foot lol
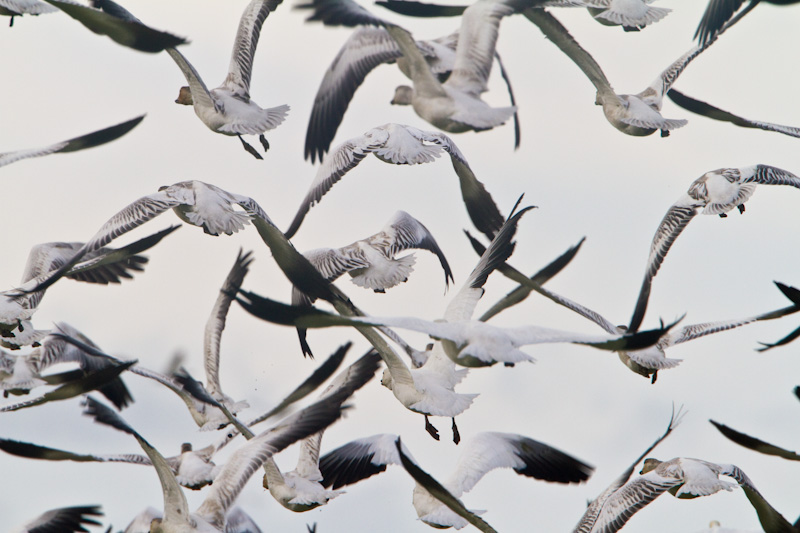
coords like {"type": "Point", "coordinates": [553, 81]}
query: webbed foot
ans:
{"type": "Point", "coordinates": [432, 431]}
{"type": "Point", "coordinates": [250, 149]}
{"type": "Point", "coordinates": [264, 142]}
{"type": "Point", "coordinates": [456, 434]}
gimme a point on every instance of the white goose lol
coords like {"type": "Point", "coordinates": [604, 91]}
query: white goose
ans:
{"type": "Point", "coordinates": [371, 262]}
{"type": "Point", "coordinates": [401, 145]}
{"type": "Point", "coordinates": [634, 114]}
{"type": "Point", "coordinates": [482, 453]}
{"type": "Point", "coordinates": [227, 109]}
{"type": "Point", "coordinates": [90, 140]}
{"type": "Point", "coordinates": [454, 106]}
{"type": "Point", "coordinates": [715, 193]}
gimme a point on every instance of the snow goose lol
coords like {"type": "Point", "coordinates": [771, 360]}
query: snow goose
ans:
{"type": "Point", "coordinates": [90, 140]}
{"type": "Point", "coordinates": [716, 193]}
{"type": "Point", "coordinates": [17, 8]}
{"type": "Point", "coordinates": [607, 502]}
{"type": "Point", "coordinates": [454, 106]}
{"type": "Point", "coordinates": [193, 469]}
{"type": "Point", "coordinates": [702, 108]}
{"type": "Point", "coordinates": [130, 32]}
{"type": "Point", "coordinates": [63, 344]}
{"type": "Point", "coordinates": [634, 114]}
{"type": "Point", "coordinates": [402, 145]}
{"type": "Point", "coordinates": [227, 109]}
{"type": "Point", "coordinates": [719, 12]}
{"type": "Point", "coordinates": [211, 208]}
{"type": "Point", "coordinates": [371, 262]}
{"type": "Point", "coordinates": [103, 266]}
{"type": "Point", "coordinates": [482, 453]}
{"type": "Point", "coordinates": [63, 520]}
{"type": "Point", "coordinates": [301, 490]}
{"type": "Point", "coordinates": [211, 514]}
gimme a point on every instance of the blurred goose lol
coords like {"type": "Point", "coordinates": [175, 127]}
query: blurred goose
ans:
{"type": "Point", "coordinates": [211, 208]}
{"type": "Point", "coordinates": [607, 502]}
{"type": "Point", "coordinates": [484, 452]}
{"type": "Point", "coordinates": [454, 106]}
{"type": "Point", "coordinates": [211, 514]}
{"type": "Point", "coordinates": [402, 145]}
{"type": "Point", "coordinates": [707, 110]}
{"type": "Point", "coordinates": [719, 12]}
{"type": "Point", "coordinates": [17, 8]}
{"type": "Point", "coordinates": [193, 469]}
{"type": "Point", "coordinates": [301, 489]}
{"type": "Point", "coordinates": [716, 193]}
{"type": "Point", "coordinates": [127, 31]}
{"type": "Point", "coordinates": [104, 265]}
{"type": "Point", "coordinates": [371, 262]}
{"type": "Point", "coordinates": [634, 114]}
{"type": "Point", "coordinates": [90, 140]}
{"type": "Point", "coordinates": [19, 374]}
{"type": "Point", "coordinates": [227, 109]}
{"type": "Point", "coordinates": [63, 520]}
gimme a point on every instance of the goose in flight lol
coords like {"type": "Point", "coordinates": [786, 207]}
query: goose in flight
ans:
{"type": "Point", "coordinates": [634, 114]}
{"type": "Point", "coordinates": [21, 373]}
{"type": "Point", "coordinates": [193, 469]}
{"type": "Point", "coordinates": [17, 8]}
{"type": "Point", "coordinates": [227, 109]}
{"type": "Point", "coordinates": [606, 505]}
{"type": "Point", "coordinates": [632, 15]}
{"type": "Point", "coordinates": [211, 208]}
{"type": "Point", "coordinates": [713, 193]}
{"type": "Point", "coordinates": [402, 145]}
{"type": "Point", "coordinates": [127, 31]}
{"type": "Point", "coordinates": [482, 453]}
{"type": "Point", "coordinates": [63, 520]}
{"type": "Point", "coordinates": [707, 110]}
{"type": "Point", "coordinates": [371, 262]}
{"type": "Point", "coordinates": [90, 140]}
{"type": "Point", "coordinates": [454, 106]}
{"type": "Point", "coordinates": [104, 265]}
{"type": "Point", "coordinates": [211, 515]}
{"type": "Point", "coordinates": [719, 12]}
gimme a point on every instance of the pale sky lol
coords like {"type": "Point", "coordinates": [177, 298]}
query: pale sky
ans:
{"type": "Point", "coordinates": [587, 179]}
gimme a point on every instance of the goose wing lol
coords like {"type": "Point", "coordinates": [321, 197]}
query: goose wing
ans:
{"type": "Point", "coordinates": [767, 175]}
{"type": "Point", "coordinates": [90, 140]}
{"type": "Point", "coordinates": [216, 321]}
{"type": "Point", "coordinates": [755, 444]}
{"type": "Point", "coordinates": [64, 519]}
{"type": "Point", "coordinates": [717, 13]}
{"type": "Point", "coordinates": [244, 46]}
{"type": "Point", "coordinates": [34, 451]}
{"type": "Point", "coordinates": [201, 96]}
{"type": "Point", "coordinates": [359, 459]}
{"type": "Point", "coordinates": [629, 499]}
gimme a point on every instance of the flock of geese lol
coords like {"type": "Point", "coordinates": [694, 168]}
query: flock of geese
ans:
{"type": "Point", "coordinates": [427, 343]}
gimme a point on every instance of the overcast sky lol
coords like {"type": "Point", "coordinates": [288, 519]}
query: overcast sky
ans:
{"type": "Point", "coordinates": [587, 179]}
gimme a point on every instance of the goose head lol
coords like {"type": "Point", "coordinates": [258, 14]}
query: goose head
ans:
{"type": "Point", "coordinates": [184, 96]}
{"type": "Point", "coordinates": [402, 95]}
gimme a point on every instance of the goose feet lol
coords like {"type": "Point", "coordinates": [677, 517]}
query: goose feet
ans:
{"type": "Point", "coordinates": [655, 377]}
{"type": "Point", "coordinates": [740, 207]}
{"type": "Point", "coordinates": [456, 434]}
{"type": "Point", "coordinates": [264, 142]}
{"type": "Point", "coordinates": [250, 150]}
{"type": "Point", "coordinates": [665, 133]}
{"type": "Point", "coordinates": [432, 431]}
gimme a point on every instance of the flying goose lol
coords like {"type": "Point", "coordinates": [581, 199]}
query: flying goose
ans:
{"type": "Point", "coordinates": [301, 490]}
{"type": "Point", "coordinates": [63, 520]}
{"type": "Point", "coordinates": [482, 453]}
{"type": "Point", "coordinates": [705, 109]}
{"type": "Point", "coordinates": [603, 509]}
{"type": "Point", "coordinates": [193, 469]}
{"type": "Point", "coordinates": [129, 31]}
{"type": "Point", "coordinates": [21, 373]}
{"type": "Point", "coordinates": [719, 12]}
{"type": "Point", "coordinates": [17, 8]}
{"type": "Point", "coordinates": [402, 145]}
{"type": "Point", "coordinates": [634, 114]}
{"type": "Point", "coordinates": [371, 262]}
{"type": "Point", "coordinates": [90, 140]}
{"type": "Point", "coordinates": [104, 265]}
{"type": "Point", "coordinates": [715, 192]}
{"type": "Point", "coordinates": [211, 208]}
{"type": "Point", "coordinates": [227, 109]}
{"type": "Point", "coordinates": [454, 106]}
